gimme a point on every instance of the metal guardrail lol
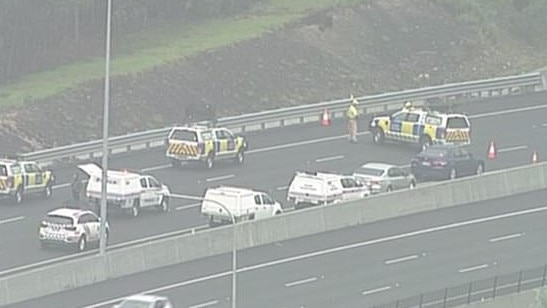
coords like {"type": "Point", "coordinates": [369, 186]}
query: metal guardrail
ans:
{"type": "Point", "coordinates": [476, 291]}
{"type": "Point", "coordinates": [299, 114]}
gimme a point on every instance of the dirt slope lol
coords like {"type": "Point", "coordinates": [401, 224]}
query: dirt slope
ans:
{"type": "Point", "coordinates": [374, 47]}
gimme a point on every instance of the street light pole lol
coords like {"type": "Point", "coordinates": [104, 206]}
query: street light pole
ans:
{"type": "Point", "coordinates": [234, 249]}
{"type": "Point", "coordinates": [102, 245]}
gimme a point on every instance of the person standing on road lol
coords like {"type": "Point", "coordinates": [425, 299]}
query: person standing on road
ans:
{"type": "Point", "coordinates": [352, 114]}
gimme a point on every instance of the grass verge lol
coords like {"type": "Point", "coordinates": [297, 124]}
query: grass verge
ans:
{"type": "Point", "coordinates": [172, 45]}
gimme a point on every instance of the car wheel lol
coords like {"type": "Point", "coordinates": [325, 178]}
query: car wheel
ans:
{"type": "Point", "coordinates": [452, 174]}
{"type": "Point", "coordinates": [480, 169]}
{"type": "Point", "coordinates": [210, 161]}
{"type": "Point", "coordinates": [82, 243]}
{"type": "Point", "coordinates": [240, 157]}
{"type": "Point", "coordinates": [48, 191]}
{"type": "Point", "coordinates": [425, 142]}
{"type": "Point", "coordinates": [135, 209]}
{"type": "Point", "coordinates": [378, 136]}
{"type": "Point", "coordinates": [18, 197]}
{"type": "Point", "coordinates": [164, 205]}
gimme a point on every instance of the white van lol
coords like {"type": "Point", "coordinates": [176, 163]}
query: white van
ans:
{"type": "Point", "coordinates": [319, 188]}
{"type": "Point", "coordinates": [126, 190]}
{"type": "Point", "coordinates": [243, 204]}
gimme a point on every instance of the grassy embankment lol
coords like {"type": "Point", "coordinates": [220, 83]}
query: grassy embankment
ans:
{"type": "Point", "coordinates": [170, 44]}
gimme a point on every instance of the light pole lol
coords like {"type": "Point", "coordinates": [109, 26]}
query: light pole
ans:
{"type": "Point", "coordinates": [102, 245]}
{"type": "Point", "coordinates": [234, 250]}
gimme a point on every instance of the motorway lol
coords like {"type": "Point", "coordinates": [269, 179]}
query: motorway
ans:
{"type": "Point", "coordinates": [517, 124]}
{"type": "Point", "coordinates": [355, 267]}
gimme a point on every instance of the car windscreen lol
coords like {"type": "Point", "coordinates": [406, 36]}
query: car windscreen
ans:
{"type": "Point", "coordinates": [58, 220]}
{"type": "Point", "coordinates": [457, 123]}
{"type": "Point", "coordinates": [370, 171]}
{"type": "Point", "coordinates": [183, 135]}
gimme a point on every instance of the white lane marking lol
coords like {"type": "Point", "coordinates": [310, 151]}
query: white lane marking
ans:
{"type": "Point", "coordinates": [508, 111]}
{"type": "Point", "coordinates": [505, 237]}
{"type": "Point", "coordinates": [329, 251]}
{"type": "Point", "coordinates": [473, 268]}
{"type": "Point", "coordinates": [324, 159]}
{"type": "Point", "coordinates": [512, 149]}
{"type": "Point", "coordinates": [154, 168]}
{"type": "Point", "coordinates": [189, 197]}
{"type": "Point", "coordinates": [544, 125]}
{"type": "Point", "coordinates": [220, 178]}
{"type": "Point", "coordinates": [281, 188]}
{"type": "Point", "coordinates": [401, 259]}
{"type": "Point", "coordinates": [206, 304]}
{"type": "Point", "coordinates": [299, 282]}
{"type": "Point", "coordinates": [377, 290]}
{"type": "Point", "coordinates": [188, 206]}
{"type": "Point", "coordinates": [61, 186]}
{"type": "Point", "coordinates": [11, 219]}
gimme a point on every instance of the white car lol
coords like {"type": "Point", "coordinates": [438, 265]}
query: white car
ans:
{"type": "Point", "coordinates": [73, 227]}
{"type": "Point", "coordinates": [144, 301]}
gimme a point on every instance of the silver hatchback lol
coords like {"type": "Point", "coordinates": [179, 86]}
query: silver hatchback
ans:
{"type": "Point", "coordinates": [380, 177]}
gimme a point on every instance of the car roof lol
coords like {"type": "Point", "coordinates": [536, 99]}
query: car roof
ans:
{"type": "Point", "coordinates": [145, 298]}
{"type": "Point", "coordinates": [68, 212]}
{"type": "Point", "coordinates": [446, 146]}
{"type": "Point", "coordinates": [382, 166]}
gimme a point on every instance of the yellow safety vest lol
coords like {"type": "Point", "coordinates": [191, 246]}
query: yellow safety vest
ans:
{"type": "Point", "coordinates": [352, 113]}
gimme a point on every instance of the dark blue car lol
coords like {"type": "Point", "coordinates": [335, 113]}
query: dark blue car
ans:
{"type": "Point", "coordinates": [445, 162]}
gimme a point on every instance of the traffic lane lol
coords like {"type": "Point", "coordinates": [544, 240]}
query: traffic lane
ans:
{"type": "Point", "coordinates": [144, 159]}
{"type": "Point", "coordinates": [263, 254]}
{"type": "Point", "coordinates": [22, 248]}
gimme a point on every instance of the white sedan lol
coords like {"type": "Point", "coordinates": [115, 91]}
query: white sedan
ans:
{"type": "Point", "coordinates": [144, 301]}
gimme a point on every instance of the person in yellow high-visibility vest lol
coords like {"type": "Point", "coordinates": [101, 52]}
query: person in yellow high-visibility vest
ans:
{"type": "Point", "coordinates": [352, 114]}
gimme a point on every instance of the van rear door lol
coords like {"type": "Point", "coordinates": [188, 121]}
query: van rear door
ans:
{"type": "Point", "coordinates": [458, 129]}
{"type": "Point", "coordinates": [184, 143]}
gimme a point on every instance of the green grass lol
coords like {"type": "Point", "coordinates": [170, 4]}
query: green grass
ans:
{"type": "Point", "coordinates": [171, 44]}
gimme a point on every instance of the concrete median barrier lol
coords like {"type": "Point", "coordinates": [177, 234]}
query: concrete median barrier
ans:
{"type": "Point", "coordinates": [169, 251]}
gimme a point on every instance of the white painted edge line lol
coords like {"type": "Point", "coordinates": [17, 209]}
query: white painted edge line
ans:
{"type": "Point", "coordinates": [506, 237]}
{"type": "Point", "coordinates": [155, 168]}
{"type": "Point", "coordinates": [320, 160]}
{"type": "Point", "coordinates": [473, 268]}
{"type": "Point", "coordinates": [401, 259]}
{"type": "Point", "coordinates": [12, 219]}
{"type": "Point", "coordinates": [377, 290]}
{"type": "Point", "coordinates": [299, 282]}
{"type": "Point", "coordinates": [281, 188]}
{"type": "Point", "coordinates": [188, 206]}
{"type": "Point", "coordinates": [220, 178]}
{"type": "Point", "coordinates": [206, 304]}
{"type": "Point", "coordinates": [188, 197]}
{"type": "Point", "coordinates": [512, 149]}
{"type": "Point", "coordinates": [61, 186]}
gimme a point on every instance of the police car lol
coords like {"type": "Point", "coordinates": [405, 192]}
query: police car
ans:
{"type": "Point", "coordinates": [422, 127]}
{"type": "Point", "coordinates": [204, 144]}
{"type": "Point", "coordinates": [20, 178]}
{"type": "Point", "coordinates": [70, 226]}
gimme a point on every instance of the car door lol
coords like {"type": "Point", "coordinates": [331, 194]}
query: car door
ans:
{"type": "Point", "coordinates": [396, 124]}
{"type": "Point", "coordinates": [467, 161]}
{"type": "Point", "coordinates": [351, 191]}
{"type": "Point", "coordinates": [29, 176]}
{"type": "Point", "coordinates": [410, 130]}
{"type": "Point", "coordinates": [91, 226]}
{"type": "Point", "coordinates": [459, 162]}
{"type": "Point", "coordinates": [396, 178]}
{"type": "Point", "coordinates": [146, 195]}
{"type": "Point", "coordinates": [155, 190]}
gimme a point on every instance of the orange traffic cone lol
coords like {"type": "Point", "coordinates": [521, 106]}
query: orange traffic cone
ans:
{"type": "Point", "coordinates": [492, 152]}
{"type": "Point", "coordinates": [325, 118]}
{"type": "Point", "coordinates": [535, 157]}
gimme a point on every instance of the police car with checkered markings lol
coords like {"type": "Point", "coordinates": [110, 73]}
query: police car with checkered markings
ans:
{"type": "Point", "coordinates": [204, 144]}
{"type": "Point", "coordinates": [70, 227]}
{"type": "Point", "coordinates": [421, 126]}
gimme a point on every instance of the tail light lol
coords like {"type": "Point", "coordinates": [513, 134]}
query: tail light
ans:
{"type": "Point", "coordinates": [201, 148]}
{"type": "Point", "coordinates": [439, 163]}
{"type": "Point", "coordinates": [70, 228]}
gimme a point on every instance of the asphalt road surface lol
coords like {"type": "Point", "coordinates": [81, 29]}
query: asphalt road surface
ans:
{"type": "Point", "coordinates": [354, 267]}
{"type": "Point", "coordinates": [517, 124]}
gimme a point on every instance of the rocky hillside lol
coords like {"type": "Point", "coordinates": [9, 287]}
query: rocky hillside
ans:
{"type": "Point", "coordinates": [373, 47]}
